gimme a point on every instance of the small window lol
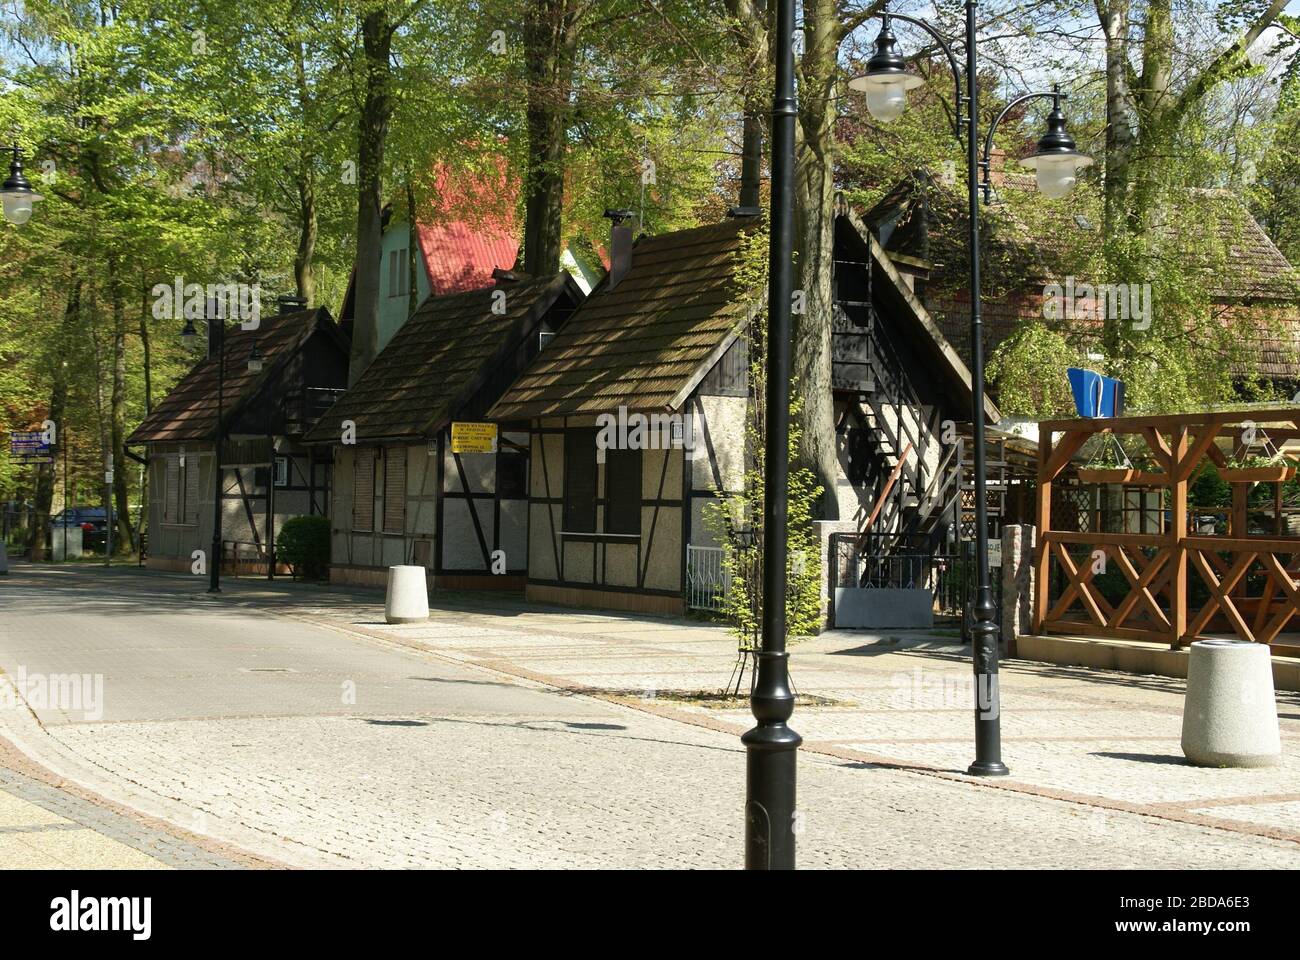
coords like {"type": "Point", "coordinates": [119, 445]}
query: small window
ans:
{"type": "Point", "coordinates": [512, 475]}
{"type": "Point", "coordinates": [281, 471]}
{"type": "Point", "coordinates": [399, 274]}
{"type": "Point", "coordinates": [623, 491]}
{"type": "Point", "coordinates": [544, 337]}
{"type": "Point", "coordinates": [580, 481]}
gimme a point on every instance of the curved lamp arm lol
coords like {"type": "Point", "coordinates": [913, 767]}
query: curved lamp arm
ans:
{"type": "Point", "coordinates": [959, 99]}
{"type": "Point", "coordinates": [1056, 95]}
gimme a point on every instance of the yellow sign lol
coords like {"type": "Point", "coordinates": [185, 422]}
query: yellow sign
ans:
{"type": "Point", "coordinates": [473, 438]}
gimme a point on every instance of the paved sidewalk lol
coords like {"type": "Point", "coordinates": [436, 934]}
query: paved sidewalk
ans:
{"type": "Point", "coordinates": [1108, 741]}
{"type": "Point", "coordinates": [46, 823]}
{"type": "Point", "coordinates": [611, 762]}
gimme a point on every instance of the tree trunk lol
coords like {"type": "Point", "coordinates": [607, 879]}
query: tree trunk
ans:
{"type": "Point", "coordinates": [44, 499]}
{"type": "Point", "coordinates": [1119, 147]}
{"type": "Point", "coordinates": [550, 41]}
{"type": "Point", "coordinates": [412, 249]}
{"type": "Point", "coordinates": [142, 529]}
{"type": "Point", "coordinates": [124, 532]}
{"type": "Point", "coordinates": [303, 275]}
{"type": "Point", "coordinates": [376, 111]}
{"type": "Point", "coordinates": [814, 247]}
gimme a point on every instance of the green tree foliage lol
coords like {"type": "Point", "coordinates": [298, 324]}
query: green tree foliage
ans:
{"type": "Point", "coordinates": [737, 520]}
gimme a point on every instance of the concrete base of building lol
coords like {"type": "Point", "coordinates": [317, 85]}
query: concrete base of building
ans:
{"type": "Point", "coordinates": [234, 568]}
{"type": "Point", "coordinates": [1131, 656]}
{"type": "Point", "coordinates": [377, 578]}
{"type": "Point", "coordinates": [480, 581]}
{"type": "Point", "coordinates": [610, 598]}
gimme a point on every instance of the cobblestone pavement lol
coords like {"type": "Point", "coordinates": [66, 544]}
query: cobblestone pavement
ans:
{"type": "Point", "coordinates": [584, 745]}
{"type": "Point", "coordinates": [46, 823]}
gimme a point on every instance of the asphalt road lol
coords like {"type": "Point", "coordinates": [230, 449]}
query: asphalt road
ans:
{"type": "Point", "coordinates": [173, 651]}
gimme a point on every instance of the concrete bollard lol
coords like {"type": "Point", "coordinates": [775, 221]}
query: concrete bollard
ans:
{"type": "Point", "coordinates": [408, 595]}
{"type": "Point", "coordinates": [1230, 714]}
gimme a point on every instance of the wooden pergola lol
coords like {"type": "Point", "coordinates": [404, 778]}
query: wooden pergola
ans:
{"type": "Point", "coordinates": [1253, 581]}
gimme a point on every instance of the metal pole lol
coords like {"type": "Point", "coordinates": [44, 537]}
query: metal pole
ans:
{"type": "Point", "coordinates": [771, 746]}
{"type": "Point", "coordinates": [64, 443]}
{"type": "Point", "coordinates": [270, 514]}
{"type": "Point", "coordinates": [108, 512]}
{"type": "Point", "coordinates": [214, 562]}
{"type": "Point", "coordinates": [984, 633]}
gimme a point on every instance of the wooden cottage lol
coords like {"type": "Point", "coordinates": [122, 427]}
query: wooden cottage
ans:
{"type": "Point", "coordinates": [660, 346]}
{"type": "Point", "coordinates": [408, 489]}
{"type": "Point", "coordinates": [609, 524]}
{"type": "Point", "coordinates": [267, 473]}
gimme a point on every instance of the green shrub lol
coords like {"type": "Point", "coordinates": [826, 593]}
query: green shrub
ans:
{"type": "Point", "coordinates": [304, 544]}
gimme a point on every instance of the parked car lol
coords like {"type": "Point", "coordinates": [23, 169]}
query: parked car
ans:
{"type": "Point", "coordinates": [91, 520]}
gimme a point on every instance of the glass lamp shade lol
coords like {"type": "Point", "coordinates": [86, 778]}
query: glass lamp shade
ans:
{"type": "Point", "coordinates": [18, 205]}
{"type": "Point", "coordinates": [189, 336]}
{"type": "Point", "coordinates": [886, 93]}
{"type": "Point", "coordinates": [255, 360]}
{"type": "Point", "coordinates": [1056, 176]}
{"type": "Point", "coordinates": [1055, 160]}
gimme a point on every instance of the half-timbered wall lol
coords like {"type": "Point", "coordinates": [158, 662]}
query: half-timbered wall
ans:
{"type": "Point", "coordinates": [180, 497]}
{"type": "Point", "coordinates": [485, 507]}
{"type": "Point", "coordinates": [423, 505]}
{"type": "Point", "coordinates": [604, 562]}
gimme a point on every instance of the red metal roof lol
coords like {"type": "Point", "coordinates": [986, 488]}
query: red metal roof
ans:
{"type": "Point", "coordinates": [461, 251]}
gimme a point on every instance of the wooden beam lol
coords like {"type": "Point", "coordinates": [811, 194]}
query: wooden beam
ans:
{"type": "Point", "coordinates": [1067, 447]}
{"type": "Point", "coordinates": [1042, 553]}
{"type": "Point", "coordinates": [1160, 450]}
{"type": "Point", "coordinates": [1176, 533]}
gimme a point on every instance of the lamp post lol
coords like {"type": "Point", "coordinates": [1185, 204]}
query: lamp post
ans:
{"type": "Point", "coordinates": [16, 193]}
{"type": "Point", "coordinates": [1056, 162]}
{"type": "Point", "coordinates": [217, 346]}
{"type": "Point", "coordinates": [771, 747]}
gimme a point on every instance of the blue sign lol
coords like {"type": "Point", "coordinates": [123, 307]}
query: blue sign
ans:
{"type": "Point", "coordinates": [29, 446]}
{"type": "Point", "coordinates": [1095, 395]}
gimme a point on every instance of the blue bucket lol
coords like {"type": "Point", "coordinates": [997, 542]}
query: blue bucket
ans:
{"type": "Point", "coordinates": [1095, 395]}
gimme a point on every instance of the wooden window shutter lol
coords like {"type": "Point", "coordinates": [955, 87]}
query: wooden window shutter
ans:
{"type": "Point", "coordinates": [395, 490]}
{"type": "Point", "coordinates": [172, 489]}
{"type": "Point", "coordinates": [363, 490]}
{"type": "Point", "coordinates": [623, 491]}
{"type": "Point", "coordinates": [192, 490]}
{"type": "Point", "coordinates": [580, 481]}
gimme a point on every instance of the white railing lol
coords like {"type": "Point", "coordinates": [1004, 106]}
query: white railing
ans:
{"type": "Point", "coordinates": [707, 582]}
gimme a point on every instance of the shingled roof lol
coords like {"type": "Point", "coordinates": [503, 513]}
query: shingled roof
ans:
{"type": "Point", "coordinates": [647, 343]}
{"type": "Point", "coordinates": [449, 348]}
{"type": "Point", "coordinates": [922, 219]}
{"type": "Point", "coordinates": [189, 411]}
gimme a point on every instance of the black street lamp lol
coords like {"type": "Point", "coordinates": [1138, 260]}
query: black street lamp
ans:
{"type": "Point", "coordinates": [1056, 162]}
{"type": "Point", "coordinates": [16, 193]}
{"type": "Point", "coordinates": [771, 747]}
{"type": "Point", "coordinates": [217, 340]}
